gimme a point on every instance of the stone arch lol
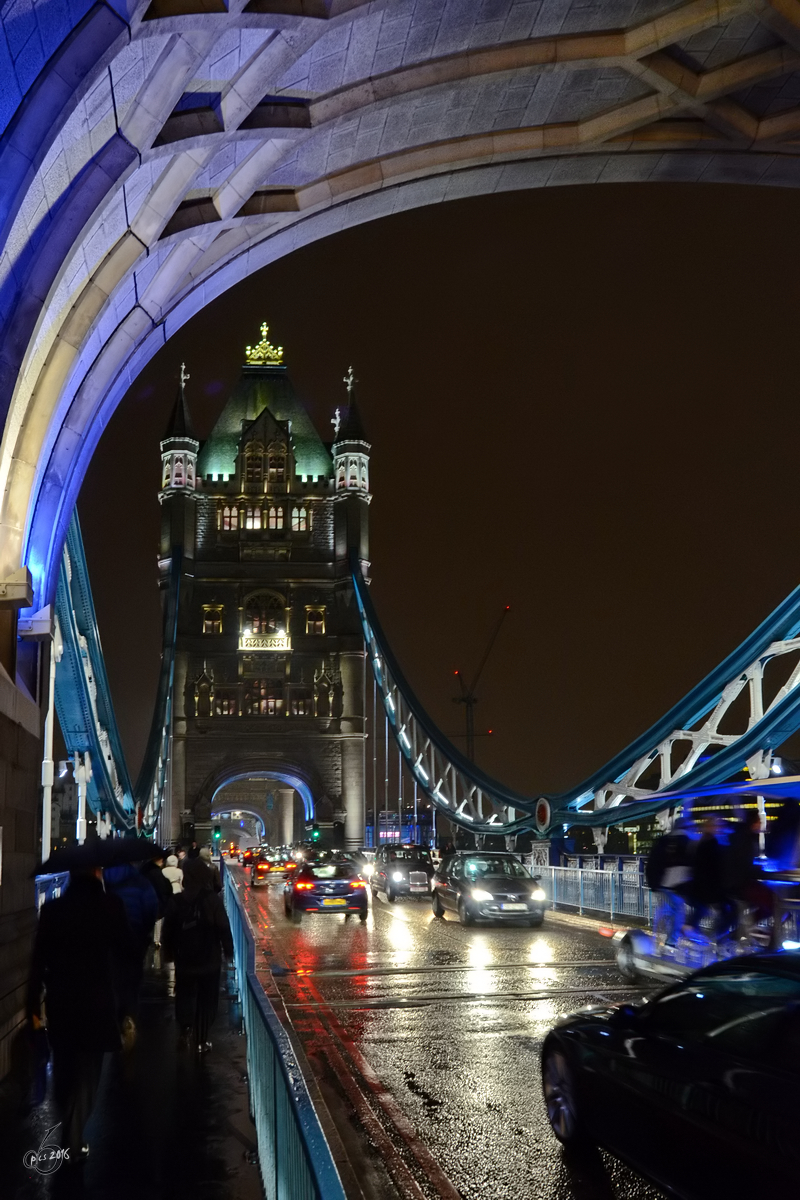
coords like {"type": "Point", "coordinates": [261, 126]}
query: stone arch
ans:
{"type": "Point", "coordinates": [286, 774]}
{"type": "Point", "coordinates": [142, 226]}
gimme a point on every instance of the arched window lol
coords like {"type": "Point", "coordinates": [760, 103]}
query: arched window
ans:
{"type": "Point", "coordinates": [165, 477]}
{"type": "Point", "coordinates": [252, 519]}
{"type": "Point", "coordinates": [299, 520]}
{"type": "Point", "coordinates": [225, 705]}
{"type": "Point", "coordinates": [315, 620]}
{"type": "Point", "coordinates": [276, 466]}
{"type": "Point", "coordinates": [341, 477]}
{"type": "Point", "coordinates": [190, 471]}
{"type": "Point", "coordinates": [177, 471]}
{"type": "Point", "coordinates": [276, 517]}
{"type": "Point", "coordinates": [253, 463]}
{"type": "Point", "coordinates": [212, 619]}
{"type": "Point", "coordinates": [364, 479]}
{"type": "Point", "coordinates": [264, 613]}
{"type": "Point", "coordinates": [353, 482]}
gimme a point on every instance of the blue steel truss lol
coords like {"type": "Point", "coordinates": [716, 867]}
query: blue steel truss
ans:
{"type": "Point", "coordinates": [685, 749]}
{"type": "Point", "coordinates": [83, 697]}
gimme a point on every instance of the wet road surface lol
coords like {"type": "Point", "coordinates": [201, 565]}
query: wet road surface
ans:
{"type": "Point", "coordinates": [425, 1038]}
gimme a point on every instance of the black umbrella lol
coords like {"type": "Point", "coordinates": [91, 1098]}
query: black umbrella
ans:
{"type": "Point", "coordinates": [100, 852]}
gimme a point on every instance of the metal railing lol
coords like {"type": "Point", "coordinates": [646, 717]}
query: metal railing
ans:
{"type": "Point", "coordinates": [294, 1156]}
{"type": "Point", "coordinates": [617, 893]}
{"type": "Point", "coordinates": [48, 887]}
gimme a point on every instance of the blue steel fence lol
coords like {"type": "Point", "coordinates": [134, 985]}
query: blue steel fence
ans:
{"type": "Point", "coordinates": [294, 1156]}
{"type": "Point", "coordinates": [617, 893]}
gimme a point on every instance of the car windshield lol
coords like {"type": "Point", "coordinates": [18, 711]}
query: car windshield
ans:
{"type": "Point", "coordinates": [410, 855]}
{"type": "Point", "coordinates": [486, 865]}
{"type": "Point", "coordinates": [330, 871]}
{"type": "Point", "coordinates": [739, 1010]}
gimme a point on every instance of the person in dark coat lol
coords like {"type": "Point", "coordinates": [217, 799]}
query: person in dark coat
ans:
{"type": "Point", "coordinates": [194, 850]}
{"type": "Point", "coordinates": [141, 908]}
{"type": "Point", "coordinates": [153, 873]}
{"type": "Point", "coordinates": [81, 939]}
{"type": "Point", "coordinates": [195, 936]}
{"type": "Point", "coordinates": [707, 889]}
{"type": "Point", "coordinates": [205, 856]}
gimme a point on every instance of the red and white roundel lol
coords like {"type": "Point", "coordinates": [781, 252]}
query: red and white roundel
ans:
{"type": "Point", "coordinates": [542, 815]}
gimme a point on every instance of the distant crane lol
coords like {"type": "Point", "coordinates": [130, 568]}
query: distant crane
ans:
{"type": "Point", "coordinates": [468, 697]}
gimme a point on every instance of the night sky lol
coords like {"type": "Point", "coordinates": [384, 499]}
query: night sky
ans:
{"type": "Point", "coordinates": [582, 402]}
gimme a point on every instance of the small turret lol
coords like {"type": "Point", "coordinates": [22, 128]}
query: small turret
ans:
{"type": "Point", "coordinates": [351, 472]}
{"type": "Point", "coordinates": [179, 448]}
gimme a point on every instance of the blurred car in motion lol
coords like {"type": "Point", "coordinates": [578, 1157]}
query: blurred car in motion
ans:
{"type": "Point", "coordinates": [402, 871]}
{"type": "Point", "coordinates": [269, 866]}
{"type": "Point", "coordinates": [246, 856]}
{"type": "Point", "coordinates": [697, 1089]}
{"type": "Point", "coordinates": [487, 886]}
{"type": "Point", "coordinates": [328, 886]}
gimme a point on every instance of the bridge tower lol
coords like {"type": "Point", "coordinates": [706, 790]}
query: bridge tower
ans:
{"type": "Point", "coordinates": [269, 667]}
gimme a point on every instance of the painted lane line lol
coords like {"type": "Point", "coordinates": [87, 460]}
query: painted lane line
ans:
{"type": "Point", "coordinates": [433, 1173]}
{"type": "Point", "coordinates": [342, 972]}
{"type": "Point", "coordinates": [462, 997]}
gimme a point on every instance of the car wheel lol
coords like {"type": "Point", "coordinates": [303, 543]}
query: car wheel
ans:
{"type": "Point", "coordinates": [625, 962]}
{"type": "Point", "coordinates": [297, 916]}
{"type": "Point", "coordinates": [362, 916]}
{"type": "Point", "coordinates": [287, 911]}
{"type": "Point", "coordinates": [536, 922]}
{"type": "Point", "coordinates": [464, 915]}
{"type": "Point", "coordinates": [391, 894]}
{"type": "Point", "coordinates": [436, 905]}
{"type": "Point", "coordinates": [558, 1086]}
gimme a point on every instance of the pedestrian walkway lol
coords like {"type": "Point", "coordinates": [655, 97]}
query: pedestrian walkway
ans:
{"type": "Point", "coordinates": [167, 1124]}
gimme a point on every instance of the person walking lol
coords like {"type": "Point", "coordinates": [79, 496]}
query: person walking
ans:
{"type": "Point", "coordinates": [205, 856]}
{"type": "Point", "coordinates": [153, 872]}
{"type": "Point", "coordinates": [141, 908]}
{"type": "Point", "coordinates": [82, 939]}
{"type": "Point", "coordinates": [173, 874]}
{"type": "Point", "coordinates": [195, 937]}
{"type": "Point", "coordinates": [194, 850]}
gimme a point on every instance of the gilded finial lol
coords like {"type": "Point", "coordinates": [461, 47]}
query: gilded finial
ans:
{"type": "Point", "coordinates": [264, 352]}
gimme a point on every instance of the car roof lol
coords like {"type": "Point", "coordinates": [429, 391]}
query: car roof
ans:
{"type": "Point", "coordinates": [487, 854]}
{"type": "Point", "coordinates": [785, 962]}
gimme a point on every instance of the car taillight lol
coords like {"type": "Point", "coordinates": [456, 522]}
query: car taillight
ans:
{"type": "Point", "coordinates": [289, 866]}
{"type": "Point", "coordinates": [262, 868]}
{"type": "Point", "coordinates": [302, 886]}
{"type": "Point", "coordinates": [357, 883]}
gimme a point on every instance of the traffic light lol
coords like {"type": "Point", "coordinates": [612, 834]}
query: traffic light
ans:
{"type": "Point", "coordinates": [217, 832]}
{"type": "Point", "coordinates": [315, 832]}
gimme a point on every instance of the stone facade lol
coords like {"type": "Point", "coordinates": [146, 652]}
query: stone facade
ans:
{"type": "Point", "coordinates": [269, 679]}
{"type": "Point", "coordinates": [20, 767]}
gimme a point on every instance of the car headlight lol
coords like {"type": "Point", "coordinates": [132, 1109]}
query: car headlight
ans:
{"type": "Point", "coordinates": [398, 876]}
{"type": "Point", "coordinates": [538, 894]}
{"type": "Point", "coordinates": [480, 894]}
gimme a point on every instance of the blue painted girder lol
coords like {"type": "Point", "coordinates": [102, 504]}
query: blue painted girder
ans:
{"type": "Point", "coordinates": [771, 731]}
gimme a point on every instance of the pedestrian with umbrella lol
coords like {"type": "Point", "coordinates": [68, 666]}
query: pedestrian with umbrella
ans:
{"type": "Point", "coordinates": [81, 940]}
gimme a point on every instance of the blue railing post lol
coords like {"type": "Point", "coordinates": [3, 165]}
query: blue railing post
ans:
{"type": "Point", "coordinates": [580, 897]}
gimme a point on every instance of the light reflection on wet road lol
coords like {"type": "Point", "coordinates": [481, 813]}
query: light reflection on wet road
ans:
{"type": "Point", "coordinates": [434, 1030]}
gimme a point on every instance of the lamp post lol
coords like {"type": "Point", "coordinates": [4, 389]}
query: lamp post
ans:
{"type": "Point", "coordinates": [82, 770]}
{"type": "Point", "coordinates": [42, 626]}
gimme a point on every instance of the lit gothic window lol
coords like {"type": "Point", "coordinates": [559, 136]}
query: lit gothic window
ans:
{"type": "Point", "coordinates": [276, 517]}
{"type": "Point", "coordinates": [276, 466]}
{"type": "Point", "coordinates": [315, 620]}
{"type": "Point", "coordinates": [252, 518]}
{"type": "Point", "coordinates": [230, 518]}
{"type": "Point", "coordinates": [265, 614]}
{"type": "Point", "coordinates": [299, 520]}
{"type": "Point", "coordinates": [212, 620]}
{"type": "Point", "coordinates": [253, 463]}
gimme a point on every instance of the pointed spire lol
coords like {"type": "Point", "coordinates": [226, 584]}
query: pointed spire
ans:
{"type": "Point", "coordinates": [350, 427]}
{"type": "Point", "coordinates": [180, 423]}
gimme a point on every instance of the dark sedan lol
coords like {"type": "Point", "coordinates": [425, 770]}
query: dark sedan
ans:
{"type": "Point", "coordinates": [402, 871]}
{"type": "Point", "coordinates": [697, 1090]}
{"type": "Point", "coordinates": [325, 887]}
{"type": "Point", "coordinates": [490, 886]}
